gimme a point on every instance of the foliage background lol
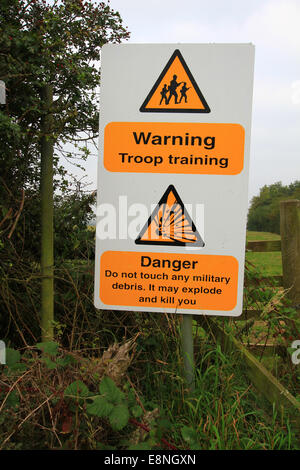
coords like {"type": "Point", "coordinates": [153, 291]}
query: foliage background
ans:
{"type": "Point", "coordinates": [56, 43]}
{"type": "Point", "coordinates": [264, 211]}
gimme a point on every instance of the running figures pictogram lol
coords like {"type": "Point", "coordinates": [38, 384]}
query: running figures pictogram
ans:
{"type": "Point", "coordinates": [175, 90]}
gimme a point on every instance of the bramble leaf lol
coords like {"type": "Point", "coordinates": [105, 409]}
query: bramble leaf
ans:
{"type": "Point", "coordinates": [48, 347]}
{"type": "Point", "coordinates": [12, 357]}
{"type": "Point", "coordinates": [108, 388]}
{"type": "Point", "coordinates": [119, 417]}
{"type": "Point", "coordinates": [76, 389]}
{"type": "Point", "coordinates": [99, 407]}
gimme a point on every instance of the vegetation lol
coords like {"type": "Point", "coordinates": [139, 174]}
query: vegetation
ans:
{"type": "Point", "coordinates": [264, 212]}
{"type": "Point", "coordinates": [54, 395]}
{"type": "Point", "coordinates": [55, 43]}
{"type": "Point", "coordinates": [269, 263]}
{"type": "Point", "coordinates": [110, 380]}
{"type": "Point", "coordinates": [79, 402]}
{"type": "Point", "coordinates": [73, 236]}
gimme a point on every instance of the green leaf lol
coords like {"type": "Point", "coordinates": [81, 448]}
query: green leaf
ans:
{"type": "Point", "coordinates": [164, 424]}
{"type": "Point", "coordinates": [189, 434]}
{"type": "Point", "coordinates": [12, 357]}
{"type": "Point", "coordinates": [13, 399]}
{"type": "Point", "coordinates": [76, 389]}
{"type": "Point", "coordinates": [119, 417]}
{"type": "Point", "coordinates": [136, 411]}
{"type": "Point", "coordinates": [65, 361]}
{"type": "Point", "coordinates": [50, 364]}
{"type": "Point", "coordinates": [99, 407]}
{"type": "Point", "coordinates": [131, 398]}
{"type": "Point", "coordinates": [108, 388]}
{"type": "Point", "coordinates": [48, 347]}
{"type": "Point", "coordinates": [18, 367]}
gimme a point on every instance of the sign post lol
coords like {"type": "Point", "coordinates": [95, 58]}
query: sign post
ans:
{"type": "Point", "coordinates": [173, 179]}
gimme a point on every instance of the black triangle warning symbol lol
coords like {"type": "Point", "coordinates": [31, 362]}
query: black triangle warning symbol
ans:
{"type": "Point", "coordinates": [170, 224]}
{"type": "Point", "coordinates": [175, 90]}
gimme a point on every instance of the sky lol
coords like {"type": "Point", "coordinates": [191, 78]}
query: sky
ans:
{"type": "Point", "coordinates": [273, 27]}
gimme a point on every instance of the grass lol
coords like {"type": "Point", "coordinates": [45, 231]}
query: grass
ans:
{"type": "Point", "coordinates": [269, 264]}
{"type": "Point", "coordinates": [253, 236]}
{"type": "Point", "coordinates": [224, 412]}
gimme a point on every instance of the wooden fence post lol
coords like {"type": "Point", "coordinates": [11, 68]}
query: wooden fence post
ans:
{"type": "Point", "coordinates": [290, 249]}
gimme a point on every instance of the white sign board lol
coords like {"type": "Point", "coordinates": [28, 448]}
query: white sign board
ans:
{"type": "Point", "coordinates": [173, 177]}
{"type": "Point", "coordinates": [2, 352]}
{"type": "Point", "coordinates": [2, 92]}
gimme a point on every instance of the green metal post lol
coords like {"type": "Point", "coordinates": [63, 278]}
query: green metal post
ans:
{"type": "Point", "coordinates": [47, 288]}
{"type": "Point", "coordinates": [188, 351]}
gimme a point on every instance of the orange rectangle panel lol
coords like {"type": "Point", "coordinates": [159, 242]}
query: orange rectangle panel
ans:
{"type": "Point", "coordinates": [187, 148]}
{"type": "Point", "coordinates": [168, 280]}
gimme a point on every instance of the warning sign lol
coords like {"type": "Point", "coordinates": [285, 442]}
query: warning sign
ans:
{"type": "Point", "coordinates": [169, 280]}
{"type": "Point", "coordinates": [170, 224]}
{"type": "Point", "coordinates": [173, 171]}
{"type": "Point", "coordinates": [175, 90]}
{"type": "Point", "coordinates": [159, 147]}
